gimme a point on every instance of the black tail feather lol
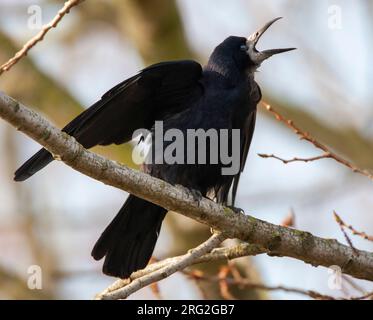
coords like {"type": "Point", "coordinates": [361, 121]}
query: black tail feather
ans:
{"type": "Point", "coordinates": [37, 162]}
{"type": "Point", "coordinates": [129, 240]}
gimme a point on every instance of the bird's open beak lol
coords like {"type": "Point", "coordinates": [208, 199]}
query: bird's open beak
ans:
{"type": "Point", "coordinates": [259, 56]}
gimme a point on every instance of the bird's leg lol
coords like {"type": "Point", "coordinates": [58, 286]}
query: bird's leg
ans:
{"type": "Point", "coordinates": [236, 210]}
{"type": "Point", "coordinates": [196, 194]}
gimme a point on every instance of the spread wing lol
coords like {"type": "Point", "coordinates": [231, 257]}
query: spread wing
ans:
{"type": "Point", "coordinates": [135, 103]}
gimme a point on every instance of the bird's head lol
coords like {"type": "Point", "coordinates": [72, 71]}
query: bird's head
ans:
{"type": "Point", "coordinates": [243, 52]}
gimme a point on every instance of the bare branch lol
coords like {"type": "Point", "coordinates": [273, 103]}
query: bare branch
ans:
{"type": "Point", "coordinates": [155, 285]}
{"type": "Point", "coordinates": [368, 295]}
{"type": "Point", "coordinates": [164, 272]}
{"type": "Point", "coordinates": [240, 250]}
{"type": "Point", "coordinates": [352, 284]}
{"type": "Point", "coordinates": [40, 36]}
{"type": "Point", "coordinates": [310, 293]}
{"type": "Point", "coordinates": [225, 281]}
{"type": "Point", "coordinates": [156, 290]}
{"type": "Point", "coordinates": [228, 253]}
{"type": "Point", "coordinates": [306, 136]}
{"type": "Point", "coordinates": [295, 159]}
{"type": "Point", "coordinates": [342, 224]}
{"type": "Point", "coordinates": [277, 240]}
{"type": "Point", "coordinates": [245, 283]}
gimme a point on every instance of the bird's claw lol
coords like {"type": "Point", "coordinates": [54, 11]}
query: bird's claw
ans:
{"type": "Point", "coordinates": [196, 194]}
{"type": "Point", "coordinates": [236, 210]}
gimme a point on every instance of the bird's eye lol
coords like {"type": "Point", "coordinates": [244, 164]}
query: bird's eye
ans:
{"type": "Point", "coordinates": [243, 47]}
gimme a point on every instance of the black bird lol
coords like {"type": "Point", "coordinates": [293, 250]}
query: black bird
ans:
{"type": "Point", "coordinates": [182, 94]}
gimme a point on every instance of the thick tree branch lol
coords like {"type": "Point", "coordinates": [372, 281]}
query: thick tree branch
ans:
{"type": "Point", "coordinates": [40, 36]}
{"type": "Point", "coordinates": [279, 241]}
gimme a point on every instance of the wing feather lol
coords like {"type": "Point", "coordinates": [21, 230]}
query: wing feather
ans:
{"type": "Point", "coordinates": [135, 103]}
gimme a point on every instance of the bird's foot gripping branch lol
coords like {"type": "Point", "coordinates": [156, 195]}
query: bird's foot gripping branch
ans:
{"type": "Point", "coordinates": [266, 237]}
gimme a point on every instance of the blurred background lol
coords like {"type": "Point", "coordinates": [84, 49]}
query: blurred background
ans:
{"type": "Point", "coordinates": [54, 219]}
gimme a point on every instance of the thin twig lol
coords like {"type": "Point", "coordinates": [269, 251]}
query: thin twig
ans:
{"type": "Point", "coordinates": [236, 274]}
{"type": "Point", "coordinates": [245, 283]}
{"type": "Point", "coordinates": [162, 273]}
{"type": "Point", "coordinates": [198, 275]}
{"type": "Point", "coordinates": [296, 159]}
{"type": "Point", "coordinates": [40, 36]}
{"type": "Point", "coordinates": [223, 283]}
{"type": "Point", "coordinates": [350, 227]}
{"type": "Point", "coordinates": [226, 253]}
{"type": "Point", "coordinates": [289, 220]}
{"type": "Point", "coordinates": [252, 285]}
{"type": "Point", "coordinates": [353, 284]}
{"type": "Point", "coordinates": [306, 136]}
{"type": "Point", "coordinates": [154, 287]}
{"type": "Point", "coordinates": [194, 275]}
{"type": "Point", "coordinates": [365, 296]}
{"type": "Point", "coordinates": [341, 226]}
{"type": "Point", "coordinates": [156, 290]}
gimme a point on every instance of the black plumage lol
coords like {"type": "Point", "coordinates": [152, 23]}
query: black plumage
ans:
{"type": "Point", "coordinates": [182, 94]}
